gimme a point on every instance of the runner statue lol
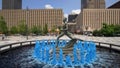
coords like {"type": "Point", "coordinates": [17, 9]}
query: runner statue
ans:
{"type": "Point", "coordinates": [64, 31]}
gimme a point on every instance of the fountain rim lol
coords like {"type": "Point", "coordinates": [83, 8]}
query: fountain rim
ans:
{"type": "Point", "coordinates": [32, 42]}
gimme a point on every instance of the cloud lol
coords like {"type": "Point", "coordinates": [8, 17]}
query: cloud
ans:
{"type": "Point", "coordinates": [48, 6]}
{"type": "Point", "coordinates": [77, 11]}
{"type": "Point", "coordinates": [66, 15]}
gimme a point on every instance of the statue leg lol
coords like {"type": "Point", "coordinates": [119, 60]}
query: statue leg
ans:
{"type": "Point", "coordinates": [69, 36]}
{"type": "Point", "coordinates": [59, 37]}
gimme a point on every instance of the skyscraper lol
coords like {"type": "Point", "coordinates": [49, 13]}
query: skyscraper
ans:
{"type": "Point", "coordinates": [92, 4]}
{"type": "Point", "coordinates": [94, 14]}
{"type": "Point", "coordinates": [11, 4]}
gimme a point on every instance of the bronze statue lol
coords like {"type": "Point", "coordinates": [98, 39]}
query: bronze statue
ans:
{"type": "Point", "coordinates": [65, 32]}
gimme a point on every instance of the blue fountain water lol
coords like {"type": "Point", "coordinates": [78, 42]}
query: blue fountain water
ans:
{"type": "Point", "coordinates": [83, 53]}
{"type": "Point", "coordinates": [61, 62]}
{"type": "Point", "coordinates": [75, 55]}
{"type": "Point", "coordinates": [42, 53]}
{"type": "Point", "coordinates": [68, 61]}
{"type": "Point", "coordinates": [37, 52]}
{"type": "Point", "coordinates": [54, 60]}
{"type": "Point", "coordinates": [47, 54]}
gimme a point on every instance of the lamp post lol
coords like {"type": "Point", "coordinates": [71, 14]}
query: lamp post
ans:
{"type": "Point", "coordinates": [27, 9]}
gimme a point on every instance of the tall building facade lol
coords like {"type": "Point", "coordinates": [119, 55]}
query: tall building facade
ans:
{"type": "Point", "coordinates": [11, 4]}
{"type": "Point", "coordinates": [33, 17]}
{"type": "Point", "coordinates": [94, 18]}
{"type": "Point", "coordinates": [94, 14]}
{"type": "Point", "coordinates": [92, 4]}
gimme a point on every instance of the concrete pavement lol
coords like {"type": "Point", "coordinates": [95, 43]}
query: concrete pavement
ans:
{"type": "Point", "coordinates": [12, 39]}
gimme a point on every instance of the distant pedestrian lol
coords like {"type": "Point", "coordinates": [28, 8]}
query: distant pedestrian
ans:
{"type": "Point", "coordinates": [3, 37]}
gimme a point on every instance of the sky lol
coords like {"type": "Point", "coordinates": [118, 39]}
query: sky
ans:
{"type": "Point", "coordinates": [68, 6]}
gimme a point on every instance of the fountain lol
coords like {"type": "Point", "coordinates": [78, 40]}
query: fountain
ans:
{"type": "Point", "coordinates": [47, 56]}
{"type": "Point", "coordinates": [60, 53]}
{"type": "Point", "coordinates": [82, 52]}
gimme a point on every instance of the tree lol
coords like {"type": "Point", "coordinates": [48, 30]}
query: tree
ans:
{"type": "Point", "coordinates": [105, 25]}
{"type": "Point", "coordinates": [108, 30]}
{"type": "Point", "coordinates": [117, 29]}
{"type": "Point", "coordinates": [53, 29]}
{"type": "Point", "coordinates": [36, 30]}
{"type": "Point", "coordinates": [3, 25]}
{"type": "Point", "coordinates": [60, 27]}
{"type": "Point", "coordinates": [39, 30]}
{"type": "Point", "coordinates": [22, 27]}
{"type": "Point", "coordinates": [96, 33]}
{"type": "Point", "coordinates": [14, 30]}
{"type": "Point", "coordinates": [45, 29]}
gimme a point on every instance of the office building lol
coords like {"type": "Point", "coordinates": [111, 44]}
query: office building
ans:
{"type": "Point", "coordinates": [11, 4]}
{"type": "Point", "coordinates": [92, 4]}
{"type": "Point", "coordinates": [33, 17]}
{"type": "Point", "coordinates": [91, 19]}
{"type": "Point", "coordinates": [94, 18]}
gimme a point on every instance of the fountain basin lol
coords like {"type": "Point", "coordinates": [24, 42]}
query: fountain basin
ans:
{"type": "Point", "coordinates": [23, 58]}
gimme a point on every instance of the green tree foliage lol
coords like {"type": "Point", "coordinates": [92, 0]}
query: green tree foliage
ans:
{"type": "Point", "coordinates": [45, 29]}
{"type": "Point", "coordinates": [108, 30]}
{"type": "Point", "coordinates": [36, 30]}
{"type": "Point", "coordinates": [60, 27]}
{"type": "Point", "coordinates": [39, 30]}
{"type": "Point", "coordinates": [22, 27]}
{"type": "Point", "coordinates": [117, 29]}
{"type": "Point", "coordinates": [3, 25]}
{"type": "Point", "coordinates": [97, 33]}
{"type": "Point", "coordinates": [14, 30]}
{"type": "Point", "coordinates": [53, 28]}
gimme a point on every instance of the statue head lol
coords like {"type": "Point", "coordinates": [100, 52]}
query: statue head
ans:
{"type": "Point", "coordinates": [65, 20]}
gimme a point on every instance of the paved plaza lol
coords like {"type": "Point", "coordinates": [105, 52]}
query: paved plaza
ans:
{"type": "Point", "coordinates": [12, 39]}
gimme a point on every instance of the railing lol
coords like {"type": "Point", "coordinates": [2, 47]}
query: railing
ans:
{"type": "Point", "coordinates": [108, 45]}
{"type": "Point", "coordinates": [6, 47]}
{"type": "Point", "coordinates": [18, 44]}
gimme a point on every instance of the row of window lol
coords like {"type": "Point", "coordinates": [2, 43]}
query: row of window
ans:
{"type": "Point", "coordinates": [95, 19]}
{"type": "Point", "coordinates": [31, 24]}
{"type": "Point", "coordinates": [32, 12]}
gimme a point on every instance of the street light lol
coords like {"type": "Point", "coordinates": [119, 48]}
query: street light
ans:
{"type": "Point", "coordinates": [27, 9]}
